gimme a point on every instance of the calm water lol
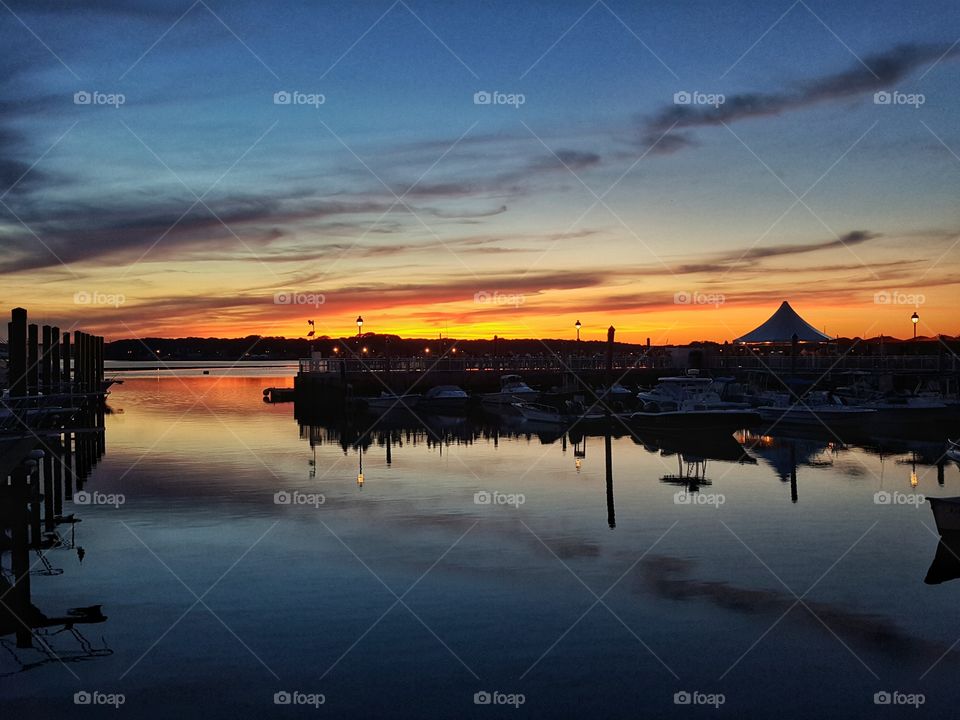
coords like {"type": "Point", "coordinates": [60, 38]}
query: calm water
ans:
{"type": "Point", "coordinates": [405, 597]}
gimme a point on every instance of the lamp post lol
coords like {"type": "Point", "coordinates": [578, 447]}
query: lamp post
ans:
{"type": "Point", "coordinates": [577, 325]}
{"type": "Point", "coordinates": [915, 319]}
{"type": "Point", "coordinates": [359, 332]}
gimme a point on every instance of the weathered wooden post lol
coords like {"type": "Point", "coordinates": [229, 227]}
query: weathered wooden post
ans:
{"type": "Point", "coordinates": [45, 368]}
{"type": "Point", "coordinates": [78, 361]}
{"type": "Point", "coordinates": [55, 358]}
{"type": "Point", "coordinates": [33, 359]}
{"type": "Point", "coordinates": [65, 354]}
{"type": "Point", "coordinates": [610, 332]}
{"type": "Point", "coordinates": [17, 338]}
{"type": "Point", "coordinates": [101, 348]}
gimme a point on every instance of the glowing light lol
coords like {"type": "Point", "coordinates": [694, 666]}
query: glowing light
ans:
{"type": "Point", "coordinates": [913, 478]}
{"type": "Point", "coordinates": [360, 480]}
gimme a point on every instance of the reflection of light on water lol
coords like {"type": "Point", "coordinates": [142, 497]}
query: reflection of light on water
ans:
{"type": "Point", "coordinates": [578, 463]}
{"type": "Point", "coordinates": [360, 480]}
{"type": "Point", "coordinates": [913, 478]}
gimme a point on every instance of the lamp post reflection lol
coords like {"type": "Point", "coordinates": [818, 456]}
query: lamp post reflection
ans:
{"type": "Point", "coordinates": [608, 462]}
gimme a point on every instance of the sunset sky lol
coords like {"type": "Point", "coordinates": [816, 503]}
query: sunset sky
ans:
{"type": "Point", "coordinates": [200, 204]}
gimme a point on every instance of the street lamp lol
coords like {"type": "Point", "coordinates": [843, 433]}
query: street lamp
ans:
{"type": "Point", "coordinates": [359, 325]}
{"type": "Point", "coordinates": [915, 319]}
{"type": "Point", "coordinates": [577, 325]}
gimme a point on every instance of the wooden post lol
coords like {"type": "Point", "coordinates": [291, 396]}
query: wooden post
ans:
{"type": "Point", "coordinates": [78, 361]}
{"type": "Point", "coordinates": [100, 360]}
{"type": "Point", "coordinates": [45, 368]}
{"type": "Point", "coordinates": [65, 354]}
{"type": "Point", "coordinates": [610, 332]}
{"type": "Point", "coordinates": [17, 338]}
{"type": "Point", "coordinates": [33, 360]}
{"type": "Point", "coordinates": [55, 359]}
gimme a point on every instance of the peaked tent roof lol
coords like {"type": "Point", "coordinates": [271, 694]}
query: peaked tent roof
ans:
{"type": "Point", "coordinates": [782, 326]}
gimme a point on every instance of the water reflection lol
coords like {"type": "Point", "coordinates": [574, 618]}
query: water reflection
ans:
{"type": "Point", "coordinates": [32, 521]}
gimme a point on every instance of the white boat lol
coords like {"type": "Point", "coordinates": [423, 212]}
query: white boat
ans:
{"type": "Point", "coordinates": [815, 409]}
{"type": "Point", "coordinates": [685, 392]}
{"type": "Point", "coordinates": [391, 401]}
{"type": "Point", "coordinates": [573, 412]}
{"type": "Point", "coordinates": [444, 397]}
{"type": "Point", "coordinates": [946, 513]}
{"type": "Point", "coordinates": [512, 389]}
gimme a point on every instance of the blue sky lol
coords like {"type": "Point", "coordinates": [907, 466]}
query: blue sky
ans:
{"type": "Point", "coordinates": [304, 198]}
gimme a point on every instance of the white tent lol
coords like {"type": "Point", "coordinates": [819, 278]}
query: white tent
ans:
{"type": "Point", "coordinates": [782, 326]}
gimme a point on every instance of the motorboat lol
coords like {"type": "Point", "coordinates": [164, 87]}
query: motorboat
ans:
{"type": "Point", "coordinates": [946, 513]}
{"type": "Point", "coordinates": [512, 389]}
{"type": "Point", "coordinates": [392, 401]}
{"type": "Point", "coordinates": [816, 408]}
{"type": "Point", "coordinates": [685, 392]}
{"type": "Point", "coordinates": [572, 412]}
{"type": "Point", "coordinates": [444, 397]}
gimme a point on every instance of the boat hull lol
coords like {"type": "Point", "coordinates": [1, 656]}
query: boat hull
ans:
{"type": "Point", "coordinates": [719, 420]}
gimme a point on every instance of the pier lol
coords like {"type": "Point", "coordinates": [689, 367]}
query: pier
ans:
{"type": "Point", "coordinates": [51, 438]}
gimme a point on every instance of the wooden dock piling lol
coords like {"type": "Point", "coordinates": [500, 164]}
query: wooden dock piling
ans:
{"type": "Point", "coordinates": [17, 338]}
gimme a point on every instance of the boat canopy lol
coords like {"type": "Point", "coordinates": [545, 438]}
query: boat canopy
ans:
{"type": "Point", "coordinates": [782, 326]}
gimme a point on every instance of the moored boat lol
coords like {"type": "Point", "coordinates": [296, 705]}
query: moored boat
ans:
{"type": "Point", "coordinates": [512, 389]}
{"type": "Point", "coordinates": [391, 401]}
{"type": "Point", "coordinates": [444, 397]}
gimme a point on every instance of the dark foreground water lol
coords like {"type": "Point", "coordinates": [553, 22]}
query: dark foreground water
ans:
{"type": "Point", "coordinates": [491, 566]}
